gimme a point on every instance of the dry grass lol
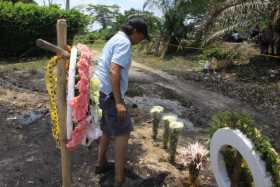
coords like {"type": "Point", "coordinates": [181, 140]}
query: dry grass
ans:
{"type": "Point", "coordinates": [171, 63]}
{"type": "Point", "coordinates": [32, 66]}
{"type": "Point", "coordinates": [97, 45]}
{"type": "Point", "coordinates": [192, 62]}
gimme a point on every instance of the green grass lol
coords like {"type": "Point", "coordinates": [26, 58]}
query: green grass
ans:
{"type": "Point", "coordinates": [98, 45]}
{"type": "Point", "coordinates": [35, 65]}
{"type": "Point", "coordinates": [170, 63]}
{"type": "Point", "coordinates": [38, 64]}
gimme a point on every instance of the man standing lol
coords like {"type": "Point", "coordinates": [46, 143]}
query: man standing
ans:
{"type": "Point", "coordinates": [112, 71]}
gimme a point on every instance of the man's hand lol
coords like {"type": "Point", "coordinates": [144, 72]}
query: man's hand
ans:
{"type": "Point", "coordinates": [121, 111]}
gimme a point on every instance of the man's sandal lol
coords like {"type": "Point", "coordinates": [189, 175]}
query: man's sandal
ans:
{"type": "Point", "coordinates": [108, 166]}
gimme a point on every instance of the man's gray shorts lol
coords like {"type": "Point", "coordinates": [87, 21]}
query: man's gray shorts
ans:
{"type": "Point", "coordinates": [110, 125]}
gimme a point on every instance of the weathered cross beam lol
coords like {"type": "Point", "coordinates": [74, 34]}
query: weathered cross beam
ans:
{"type": "Point", "coordinates": [51, 47]}
{"type": "Point", "coordinates": [61, 28]}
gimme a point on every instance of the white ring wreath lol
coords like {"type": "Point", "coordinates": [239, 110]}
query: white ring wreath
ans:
{"type": "Point", "coordinates": [235, 138]}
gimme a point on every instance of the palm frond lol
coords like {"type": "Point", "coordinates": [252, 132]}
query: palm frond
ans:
{"type": "Point", "coordinates": [233, 14]}
{"type": "Point", "coordinates": [219, 33]}
{"type": "Point", "coordinates": [163, 5]}
{"type": "Point", "coordinates": [276, 18]}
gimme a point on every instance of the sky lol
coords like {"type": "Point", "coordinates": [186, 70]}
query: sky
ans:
{"type": "Point", "coordinates": [123, 4]}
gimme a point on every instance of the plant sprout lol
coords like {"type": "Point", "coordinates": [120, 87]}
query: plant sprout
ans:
{"type": "Point", "coordinates": [175, 129]}
{"type": "Point", "coordinates": [156, 115]}
{"type": "Point", "coordinates": [167, 119]}
{"type": "Point", "coordinates": [195, 157]}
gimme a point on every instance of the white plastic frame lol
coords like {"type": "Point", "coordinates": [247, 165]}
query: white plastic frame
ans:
{"type": "Point", "coordinates": [228, 137]}
{"type": "Point", "coordinates": [71, 90]}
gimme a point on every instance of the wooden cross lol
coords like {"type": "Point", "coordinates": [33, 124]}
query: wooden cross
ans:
{"type": "Point", "coordinates": [61, 28]}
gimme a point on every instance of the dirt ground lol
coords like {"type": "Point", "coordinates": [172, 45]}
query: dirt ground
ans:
{"type": "Point", "coordinates": [29, 157]}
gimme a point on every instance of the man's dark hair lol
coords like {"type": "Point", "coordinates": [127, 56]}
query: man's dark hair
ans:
{"type": "Point", "coordinates": [127, 29]}
{"type": "Point", "coordinates": [137, 24]}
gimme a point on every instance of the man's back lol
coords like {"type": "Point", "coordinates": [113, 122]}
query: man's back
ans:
{"type": "Point", "coordinates": [116, 50]}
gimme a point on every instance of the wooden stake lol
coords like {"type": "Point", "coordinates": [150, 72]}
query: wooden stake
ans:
{"type": "Point", "coordinates": [61, 103]}
{"type": "Point", "coordinates": [53, 48]}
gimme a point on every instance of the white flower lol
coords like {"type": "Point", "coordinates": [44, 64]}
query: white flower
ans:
{"type": "Point", "coordinates": [156, 109]}
{"type": "Point", "coordinates": [176, 125]}
{"type": "Point", "coordinates": [169, 118]}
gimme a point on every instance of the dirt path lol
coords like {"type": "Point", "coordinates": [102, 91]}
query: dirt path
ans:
{"type": "Point", "coordinates": [206, 100]}
{"type": "Point", "coordinates": [206, 103]}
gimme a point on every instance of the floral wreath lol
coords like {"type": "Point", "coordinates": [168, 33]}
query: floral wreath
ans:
{"type": "Point", "coordinates": [83, 112]}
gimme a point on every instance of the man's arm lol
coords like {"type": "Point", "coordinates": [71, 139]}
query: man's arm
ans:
{"type": "Point", "coordinates": [115, 76]}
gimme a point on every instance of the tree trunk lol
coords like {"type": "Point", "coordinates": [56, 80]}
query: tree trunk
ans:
{"type": "Point", "coordinates": [165, 48]}
{"type": "Point", "coordinates": [67, 7]}
{"type": "Point", "coordinates": [157, 46]}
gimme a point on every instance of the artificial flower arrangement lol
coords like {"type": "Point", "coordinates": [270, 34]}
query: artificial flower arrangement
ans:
{"type": "Point", "coordinates": [83, 112]}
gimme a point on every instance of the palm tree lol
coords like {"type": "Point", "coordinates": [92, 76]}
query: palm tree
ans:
{"type": "Point", "coordinates": [67, 7]}
{"type": "Point", "coordinates": [103, 14]}
{"type": "Point", "coordinates": [226, 15]}
{"type": "Point", "coordinates": [175, 13]}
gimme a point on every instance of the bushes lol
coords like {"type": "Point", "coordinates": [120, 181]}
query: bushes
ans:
{"type": "Point", "coordinates": [220, 54]}
{"type": "Point", "coordinates": [106, 34]}
{"type": "Point", "coordinates": [86, 38]}
{"type": "Point", "coordinates": [21, 24]}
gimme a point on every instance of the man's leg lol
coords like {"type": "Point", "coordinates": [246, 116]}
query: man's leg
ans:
{"type": "Point", "coordinates": [102, 150]}
{"type": "Point", "coordinates": [120, 149]}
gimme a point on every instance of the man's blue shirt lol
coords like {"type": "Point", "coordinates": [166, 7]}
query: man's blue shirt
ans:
{"type": "Point", "coordinates": [117, 50]}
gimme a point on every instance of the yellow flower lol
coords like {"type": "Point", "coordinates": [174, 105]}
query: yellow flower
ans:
{"type": "Point", "coordinates": [273, 151]}
{"type": "Point", "coordinates": [51, 83]}
{"type": "Point", "coordinates": [94, 90]}
{"type": "Point", "coordinates": [95, 98]}
{"type": "Point", "coordinates": [95, 84]}
{"type": "Point", "coordinates": [99, 112]}
{"type": "Point", "coordinates": [258, 134]}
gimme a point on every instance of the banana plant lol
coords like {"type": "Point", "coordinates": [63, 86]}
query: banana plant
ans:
{"type": "Point", "coordinates": [175, 13]}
